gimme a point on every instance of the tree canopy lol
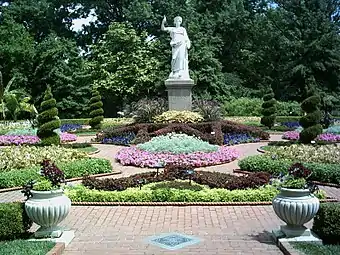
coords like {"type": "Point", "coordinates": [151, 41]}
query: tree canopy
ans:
{"type": "Point", "coordinates": [240, 48]}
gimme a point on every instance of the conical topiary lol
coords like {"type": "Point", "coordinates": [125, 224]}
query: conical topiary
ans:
{"type": "Point", "coordinates": [269, 109]}
{"type": "Point", "coordinates": [48, 120]}
{"type": "Point", "coordinates": [96, 110]}
{"type": "Point", "coordinates": [311, 121]}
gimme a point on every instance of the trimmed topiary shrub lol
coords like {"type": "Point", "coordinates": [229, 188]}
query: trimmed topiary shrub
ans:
{"type": "Point", "coordinates": [48, 120]}
{"type": "Point", "coordinates": [311, 121]}
{"type": "Point", "coordinates": [326, 223]}
{"type": "Point", "coordinates": [268, 109]}
{"type": "Point", "coordinates": [14, 222]}
{"type": "Point", "coordinates": [96, 110]}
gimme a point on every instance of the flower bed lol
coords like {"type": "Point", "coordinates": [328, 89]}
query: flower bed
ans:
{"type": "Point", "coordinates": [294, 135]}
{"type": "Point", "coordinates": [17, 157]}
{"type": "Point", "coordinates": [231, 139]}
{"type": "Point", "coordinates": [31, 139]}
{"type": "Point", "coordinates": [136, 157]}
{"type": "Point", "coordinates": [211, 132]}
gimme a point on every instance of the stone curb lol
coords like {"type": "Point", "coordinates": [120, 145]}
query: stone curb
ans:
{"type": "Point", "coordinates": [57, 249]}
{"type": "Point", "coordinates": [286, 248]}
{"type": "Point", "coordinates": [239, 171]}
{"type": "Point", "coordinates": [68, 180]}
{"type": "Point", "coordinates": [94, 152]}
{"type": "Point", "coordinates": [183, 203]}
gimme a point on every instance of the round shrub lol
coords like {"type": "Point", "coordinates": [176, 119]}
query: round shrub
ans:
{"type": "Point", "coordinates": [268, 110]}
{"type": "Point", "coordinates": [96, 110]}
{"type": "Point", "coordinates": [311, 121]}
{"type": "Point", "coordinates": [178, 117]}
{"type": "Point", "coordinates": [48, 120]}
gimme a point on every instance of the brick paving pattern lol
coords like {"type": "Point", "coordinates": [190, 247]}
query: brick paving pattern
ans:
{"type": "Point", "coordinates": [122, 230]}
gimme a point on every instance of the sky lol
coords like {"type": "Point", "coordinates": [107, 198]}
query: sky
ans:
{"type": "Point", "coordinates": [78, 23]}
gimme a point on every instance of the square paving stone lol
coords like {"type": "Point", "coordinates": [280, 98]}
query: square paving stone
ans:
{"type": "Point", "coordinates": [172, 241]}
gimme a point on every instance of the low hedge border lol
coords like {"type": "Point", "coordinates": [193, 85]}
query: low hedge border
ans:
{"type": "Point", "coordinates": [239, 171]}
{"type": "Point", "coordinates": [68, 180]}
{"type": "Point", "coordinates": [58, 249]}
{"type": "Point", "coordinates": [328, 200]}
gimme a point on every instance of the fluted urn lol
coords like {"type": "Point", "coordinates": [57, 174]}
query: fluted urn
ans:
{"type": "Point", "coordinates": [295, 207]}
{"type": "Point", "coordinates": [48, 209]}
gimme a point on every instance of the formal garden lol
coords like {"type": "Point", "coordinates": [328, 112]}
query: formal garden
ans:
{"type": "Point", "coordinates": [227, 140]}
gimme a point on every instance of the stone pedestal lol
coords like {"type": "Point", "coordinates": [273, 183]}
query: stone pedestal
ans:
{"type": "Point", "coordinates": [179, 94]}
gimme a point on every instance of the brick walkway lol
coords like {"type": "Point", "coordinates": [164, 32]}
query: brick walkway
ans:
{"type": "Point", "coordinates": [122, 230]}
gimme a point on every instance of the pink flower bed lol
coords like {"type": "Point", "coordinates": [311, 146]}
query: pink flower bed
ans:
{"type": "Point", "coordinates": [31, 139]}
{"type": "Point", "coordinates": [136, 157]}
{"type": "Point", "coordinates": [294, 135]}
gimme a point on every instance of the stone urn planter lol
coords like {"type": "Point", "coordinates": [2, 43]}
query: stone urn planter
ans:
{"type": "Point", "coordinates": [48, 209]}
{"type": "Point", "coordinates": [295, 207]}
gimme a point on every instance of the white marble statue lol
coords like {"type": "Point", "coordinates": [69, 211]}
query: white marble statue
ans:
{"type": "Point", "coordinates": [180, 44]}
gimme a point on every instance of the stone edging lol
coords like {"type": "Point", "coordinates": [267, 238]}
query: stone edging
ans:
{"type": "Point", "coordinates": [94, 152]}
{"type": "Point", "coordinates": [261, 150]}
{"type": "Point", "coordinates": [182, 203]}
{"type": "Point", "coordinates": [57, 249]}
{"type": "Point", "coordinates": [68, 180]}
{"type": "Point", "coordinates": [286, 247]}
{"type": "Point", "coordinates": [239, 171]}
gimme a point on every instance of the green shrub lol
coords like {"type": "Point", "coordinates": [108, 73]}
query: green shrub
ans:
{"type": "Point", "coordinates": [26, 247]}
{"type": "Point", "coordinates": [145, 110]}
{"type": "Point", "coordinates": [310, 248]}
{"type": "Point", "coordinates": [329, 173]}
{"type": "Point", "coordinates": [326, 223]}
{"type": "Point", "coordinates": [17, 157]}
{"type": "Point", "coordinates": [269, 109]}
{"type": "Point", "coordinates": [48, 120]}
{"type": "Point", "coordinates": [96, 110]}
{"type": "Point", "coordinates": [75, 121]}
{"type": "Point", "coordinates": [177, 144]}
{"type": "Point", "coordinates": [311, 121]}
{"type": "Point", "coordinates": [280, 119]}
{"type": "Point", "coordinates": [149, 194]}
{"type": "Point", "coordinates": [243, 107]}
{"type": "Point", "coordinates": [208, 109]}
{"type": "Point", "coordinates": [291, 108]}
{"type": "Point", "coordinates": [78, 168]}
{"type": "Point", "coordinates": [178, 117]}
{"type": "Point", "coordinates": [14, 223]}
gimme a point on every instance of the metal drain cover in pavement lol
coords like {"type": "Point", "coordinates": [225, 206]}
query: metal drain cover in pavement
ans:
{"type": "Point", "coordinates": [173, 241]}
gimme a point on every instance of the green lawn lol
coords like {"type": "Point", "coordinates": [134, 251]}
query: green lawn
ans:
{"type": "Point", "coordinates": [316, 249]}
{"type": "Point", "coordinates": [24, 247]}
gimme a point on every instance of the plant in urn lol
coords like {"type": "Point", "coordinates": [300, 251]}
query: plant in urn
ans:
{"type": "Point", "coordinates": [46, 203]}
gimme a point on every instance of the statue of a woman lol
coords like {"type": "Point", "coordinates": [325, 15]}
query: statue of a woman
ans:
{"type": "Point", "coordinates": [180, 44]}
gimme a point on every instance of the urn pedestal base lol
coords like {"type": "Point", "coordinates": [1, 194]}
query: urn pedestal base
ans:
{"type": "Point", "coordinates": [179, 94]}
{"type": "Point", "coordinates": [301, 234]}
{"type": "Point", "coordinates": [66, 238]}
{"type": "Point", "coordinates": [48, 232]}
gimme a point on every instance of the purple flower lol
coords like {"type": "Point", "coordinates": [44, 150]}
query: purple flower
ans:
{"type": "Point", "coordinates": [31, 139]}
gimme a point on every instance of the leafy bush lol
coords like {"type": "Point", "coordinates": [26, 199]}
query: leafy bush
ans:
{"type": "Point", "coordinates": [175, 171]}
{"type": "Point", "coordinates": [209, 110]}
{"type": "Point", "coordinates": [77, 168]}
{"type": "Point", "coordinates": [96, 108]}
{"type": "Point", "coordinates": [311, 122]}
{"type": "Point", "coordinates": [177, 144]}
{"type": "Point", "coordinates": [149, 194]}
{"type": "Point", "coordinates": [308, 153]}
{"type": "Point", "coordinates": [201, 130]}
{"type": "Point", "coordinates": [178, 117]}
{"type": "Point", "coordinates": [291, 108]}
{"type": "Point", "coordinates": [145, 110]}
{"type": "Point", "coordinates": [14, 223]}
{"type": "Point", "coordinates": [243, 107]}
{"type": "Point", "coordinates": [268, 109]}
{"type": "Point", "coordinates": [48, 120]}
{"type": "Point", "coordinates": [17, 157]}
{"type": "Point", "coordinates": [326, 223]}
{"type": "Point", "coordinates": [329, 173]}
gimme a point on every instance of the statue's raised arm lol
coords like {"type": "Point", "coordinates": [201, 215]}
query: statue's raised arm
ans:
{"type": "Point", "coordinates": [180, 44]}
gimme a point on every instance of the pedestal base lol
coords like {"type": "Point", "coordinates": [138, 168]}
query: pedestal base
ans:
{"type": "Point", "coordinates": [66, 238]}
{"type": "Point", "coordinates": [179, 94]}
{"type": "Point", "coordinates": [300, 234]}
{"type": "Point", "coordinates": [52, 232]}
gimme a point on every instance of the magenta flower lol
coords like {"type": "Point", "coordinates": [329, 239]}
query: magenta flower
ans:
{"type": "Point", "coordinates": [294, 135]}
{"type": "Point", "coordinates": [136, 157]}
{"type": "Point", "coordinates": [31, 139]}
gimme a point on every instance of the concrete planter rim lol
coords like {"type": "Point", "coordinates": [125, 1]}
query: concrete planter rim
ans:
{"type": "Point", "coordinates": [295, 190]}
{"type": "Point", "coordinates": [47, 192]}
